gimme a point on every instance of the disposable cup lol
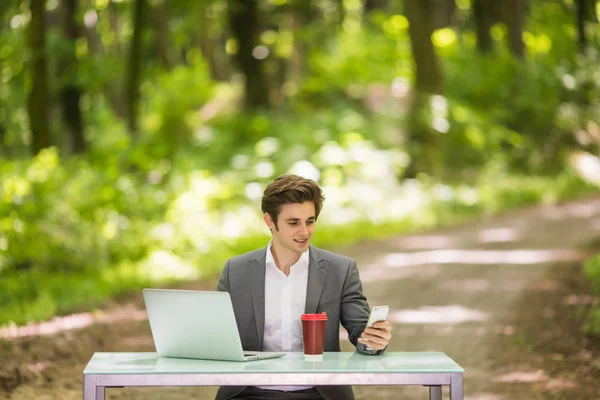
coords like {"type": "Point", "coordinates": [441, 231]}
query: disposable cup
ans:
{"type": "Point", "coordinates": [313, 335]}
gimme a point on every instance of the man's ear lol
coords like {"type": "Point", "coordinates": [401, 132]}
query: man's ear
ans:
{"type": "Point", "coordinates": [269, 221]}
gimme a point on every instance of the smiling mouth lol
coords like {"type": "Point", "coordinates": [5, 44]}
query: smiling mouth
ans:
{"type": "Point", "coordinates": [301, 241]}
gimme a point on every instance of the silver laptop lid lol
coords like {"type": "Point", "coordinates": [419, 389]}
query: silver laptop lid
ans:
{"type": "Point", "coordinates": [193, 324]}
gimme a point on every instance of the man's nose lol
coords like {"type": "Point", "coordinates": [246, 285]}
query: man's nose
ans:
{"type": "Point", "coordinates": [304, 229]}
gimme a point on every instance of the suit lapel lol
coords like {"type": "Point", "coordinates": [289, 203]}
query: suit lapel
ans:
{"type": "Point", "coordinates": [257, 286]}
{"type": "Point", "coordinates": [317, 270]}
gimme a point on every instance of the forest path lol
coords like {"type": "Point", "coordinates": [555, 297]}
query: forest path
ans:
{"type": "Point", "coordinates": [503, 296]}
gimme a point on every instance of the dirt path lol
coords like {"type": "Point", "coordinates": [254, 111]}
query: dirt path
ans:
{"type": "Point", "coordinates": [504, 297]}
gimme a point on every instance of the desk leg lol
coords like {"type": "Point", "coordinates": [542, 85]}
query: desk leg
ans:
{"type": "Point", "coordinates": [90, 390]}
{"type": "Point", "coordinates": [435, 393]}
{"type": "Point", "coordinates": [456, 386]}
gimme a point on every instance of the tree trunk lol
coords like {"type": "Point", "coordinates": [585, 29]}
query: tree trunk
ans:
{"type": "Point", "coordinates": [2, 109]}
{"type": "Point", "coordinates": [296, 68]}
{"type": "Point", "coordinates": [70, 92]}
{"type": "Point", "coordinates": [441, 13]}
{"type": "Point", "coordinates": [482, 14]}
{"type": "Point", "coordinates": [421, 138]}
{"type": "Point", "coordinates": [586, 13]}
{"type": "Point", "coordinates": [115, 27]}
{"type": "Point", "coordinates": [38, 96]}
{"type": "Point", "coordinates": [581, 24]}
{"type": "Point", "coordinates": [3, 145]}
{"type": "Point", "coordinates": [428, 73]}
{"type": "Point", "coordinates": [161, 33]}
{"type": "Point", "coordinates": [372, 5]}
{"type": "Point", "coordinates": [113, 89]}
{"type": "Point", "coordinates": [341, 13]}
{"type": "Point", "coordinates": [301, 16]}
{"type": "Point", "coordinates": [91, 33]}
{"type": "Point", "coordinates": [245, 26]}
{"type": "Point", "coordinates": [514, 17]}
{"type": "Point", "coordinates": [219, 70]}
{"type": "Point", "coordinates": [211, 48]}
{"type": "Point", "coordinates": [4, 24]}
{"type": "Point", "coordinates": [369, 6]}
{"type": "Point", "coordinates": [134, 67]}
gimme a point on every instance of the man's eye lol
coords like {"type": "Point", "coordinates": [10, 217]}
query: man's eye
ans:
{"type": "Point", "coordinates": [293, 223]}
{"type": "Point", "coordinates": [310, 222]}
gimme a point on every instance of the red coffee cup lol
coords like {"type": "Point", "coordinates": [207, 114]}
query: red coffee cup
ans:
{"type": "Point", "coordinates": [313, 334]}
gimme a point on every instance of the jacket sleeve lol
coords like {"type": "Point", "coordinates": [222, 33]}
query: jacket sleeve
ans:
{"type": "Point", "coordinates": [223, 285]}
{"type": "Point", "coordinates": [355, 309]}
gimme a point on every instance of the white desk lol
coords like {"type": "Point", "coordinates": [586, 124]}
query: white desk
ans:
{"type": "Point", "coordinates": [147, 369]}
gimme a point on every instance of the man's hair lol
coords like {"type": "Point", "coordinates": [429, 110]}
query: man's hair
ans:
{"type": "Point", "coordinates": [288, 189]}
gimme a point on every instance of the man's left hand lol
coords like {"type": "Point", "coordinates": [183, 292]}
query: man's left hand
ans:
{"type": "Point", "coordinates": [378, 336]}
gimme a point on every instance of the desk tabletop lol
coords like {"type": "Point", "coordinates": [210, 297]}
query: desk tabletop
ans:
{"type": "Point", "coordinates": [333, 362]}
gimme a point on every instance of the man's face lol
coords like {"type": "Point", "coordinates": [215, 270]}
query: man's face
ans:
{"type": "Point", "coordinates": [296, 224]}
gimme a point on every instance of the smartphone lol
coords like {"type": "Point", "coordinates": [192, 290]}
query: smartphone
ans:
{"type": "Point", "coordinates": [378, 313]}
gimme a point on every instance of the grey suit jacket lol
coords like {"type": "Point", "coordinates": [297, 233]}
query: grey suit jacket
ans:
{"type": "Point", "coordinates": [333, 286]}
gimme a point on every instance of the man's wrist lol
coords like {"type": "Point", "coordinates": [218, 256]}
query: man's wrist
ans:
{"type": "Point", "coordinates": [367, 350]}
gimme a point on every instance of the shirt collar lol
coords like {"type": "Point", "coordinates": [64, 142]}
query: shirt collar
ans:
{"type": "Point", "coordinates": [303, 260]}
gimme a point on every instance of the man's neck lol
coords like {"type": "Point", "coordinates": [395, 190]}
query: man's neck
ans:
{"type": "Point", "coordinates": [284, 259]}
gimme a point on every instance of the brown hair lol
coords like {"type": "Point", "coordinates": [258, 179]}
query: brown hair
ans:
{"type": "Point", "coordinates": [288, 189]}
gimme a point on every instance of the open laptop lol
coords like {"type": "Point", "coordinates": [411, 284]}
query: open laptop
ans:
{"type": "Point", "coordinates": [196, 324]}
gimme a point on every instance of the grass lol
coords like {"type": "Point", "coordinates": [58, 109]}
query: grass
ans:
{"type": "Point", "coordinates": [592, 270]}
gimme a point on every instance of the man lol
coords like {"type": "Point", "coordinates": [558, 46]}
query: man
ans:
{"type": "Point", "coordinates": [271, 287]}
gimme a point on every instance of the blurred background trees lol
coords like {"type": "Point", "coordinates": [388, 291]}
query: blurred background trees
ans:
{"type": "Point", "coordinates": [100, 54]}
{"type": "Point", "coordinates": [136, 136]}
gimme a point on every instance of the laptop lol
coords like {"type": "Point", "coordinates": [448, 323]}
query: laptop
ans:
{"type": "Point", "coordinates": [196, 324]}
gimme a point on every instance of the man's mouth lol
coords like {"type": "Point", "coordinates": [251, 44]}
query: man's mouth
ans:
{"type": "Point", "coordinates": [302, 241]}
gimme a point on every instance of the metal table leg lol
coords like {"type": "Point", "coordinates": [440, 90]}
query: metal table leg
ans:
{"type": "Point", "coordinates": [90, 390]}
{"type": "Point", "coordinates": [456, 386]}
{"type": "Point", "coordinates": [435, 393]}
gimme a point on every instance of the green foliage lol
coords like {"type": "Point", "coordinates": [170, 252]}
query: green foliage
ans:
{"type": "Point", "coordinates": [75, 233]}
{"type": "Point", "coordinates": [62, 221]}
{"type": "Point", "coordinates": [592, 269]}
{"type": "Point", "coordinates": [538, 103]}
{"type": "Point", "coordinates": [174, 105]}
{"type": "Point", "coordinates": [508, 93]}
{"type": "Point", "coordinates": [358, 57]}
{"type": "Point", "coordinates": [175, 201]}
{"type": "Point", "coordinates": [13, 116]}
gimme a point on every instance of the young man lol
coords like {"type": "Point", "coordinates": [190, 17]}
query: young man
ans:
{"type": "Point", "coordinates": [271, 287]}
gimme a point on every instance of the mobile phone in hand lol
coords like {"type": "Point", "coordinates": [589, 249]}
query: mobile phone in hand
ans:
{"type": "Point", "coordinates": [378, 313]}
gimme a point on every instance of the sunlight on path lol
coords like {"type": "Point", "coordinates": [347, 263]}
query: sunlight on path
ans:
{"type": "Point", "coordinates": [468, 290]}
{"type": "Point", "coordinates": [483, 257]}
{"type": "Point", "coordinates": [454, 314]}
{"type": "Point", "coordinates": [75, 321]}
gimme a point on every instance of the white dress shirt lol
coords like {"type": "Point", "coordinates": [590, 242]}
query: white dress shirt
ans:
{"type": "Point", "coordinates": [285, 299]}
